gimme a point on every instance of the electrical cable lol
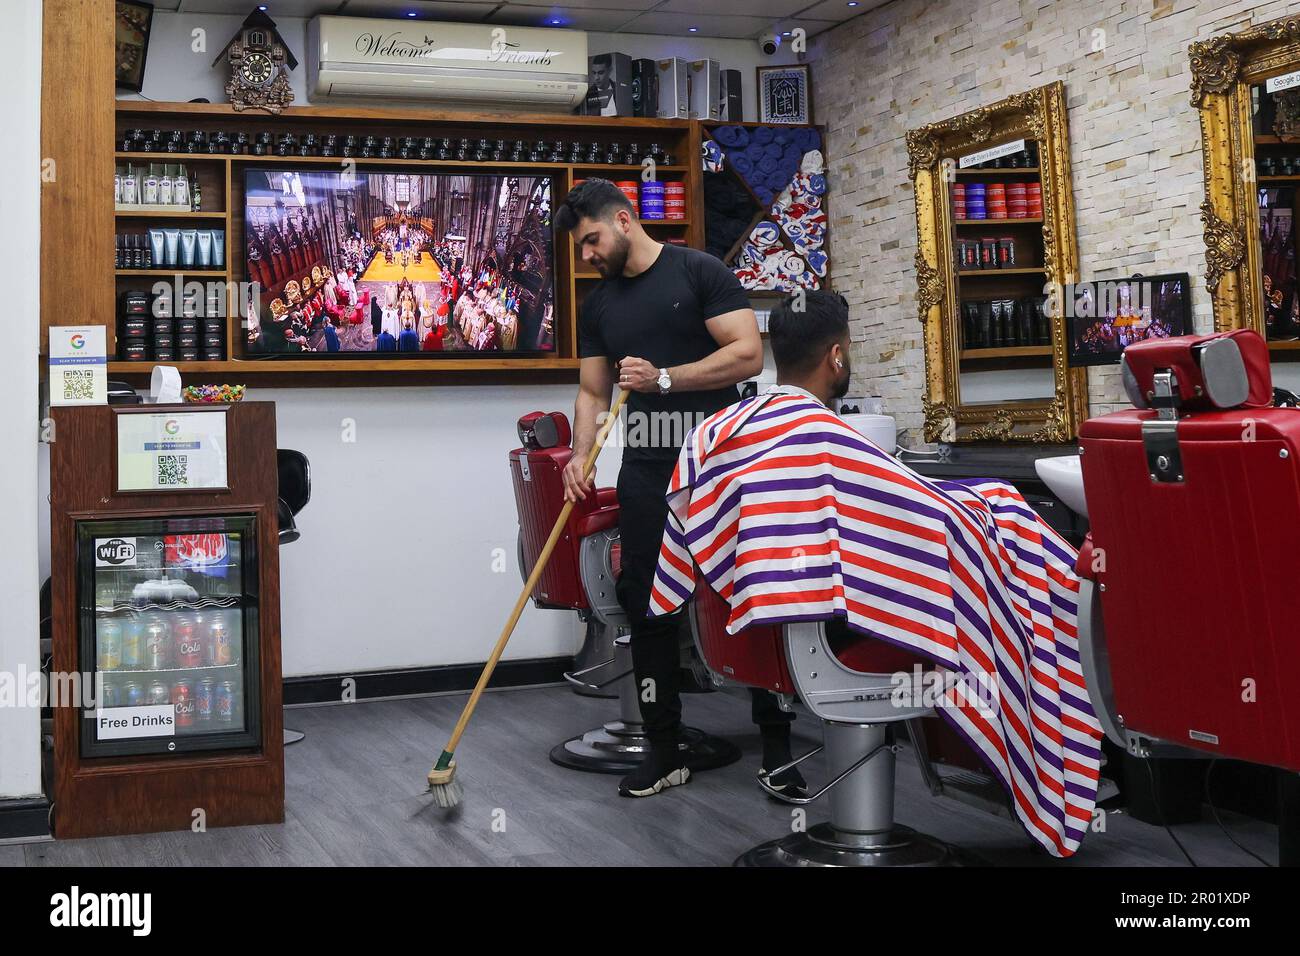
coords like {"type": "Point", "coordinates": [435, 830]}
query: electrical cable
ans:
{"type": "Point", "coordinates": [1214, 810]}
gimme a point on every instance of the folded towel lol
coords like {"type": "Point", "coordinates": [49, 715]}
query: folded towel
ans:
{"type": "Point", "coordinates": [742, 164]}
{"type": "Point", "coordinates": [762, 135]}
{"type": "Point", "coordinates": [733, 137]}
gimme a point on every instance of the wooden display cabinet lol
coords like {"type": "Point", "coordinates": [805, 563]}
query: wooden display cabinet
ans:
{"type": "Point", "coordinates": [151, 590]}
{"type": "Point", "coordinates": [221, 178]}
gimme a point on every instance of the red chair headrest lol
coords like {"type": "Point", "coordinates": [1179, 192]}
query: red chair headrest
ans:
{"type": "Point", "coordinates": [544, 430]}
{"type": "Point", "coordinates": [1223, 370]}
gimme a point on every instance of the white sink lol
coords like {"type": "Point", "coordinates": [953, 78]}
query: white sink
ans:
{"type": "Point", "coordinates": [1064, 475]}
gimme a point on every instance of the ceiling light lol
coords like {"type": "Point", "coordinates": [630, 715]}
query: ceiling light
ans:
{"type": "Point", "coordinates": [693, 29]}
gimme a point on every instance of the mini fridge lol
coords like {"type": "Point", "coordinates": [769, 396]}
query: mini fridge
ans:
{"type": "Point", "coordinates": [165, 610]}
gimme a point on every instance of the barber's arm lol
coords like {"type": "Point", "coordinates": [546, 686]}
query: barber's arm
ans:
{"type": "Point", "coordinates": [739, 357]}
{"type": "Point", "coordinates": [595, 380]}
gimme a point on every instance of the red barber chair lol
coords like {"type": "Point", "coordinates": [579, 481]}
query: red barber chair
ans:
{"type": "Point", "coordinates": [580, 577]}
{"type": "Point", "coordinates": [1190, 614]}
{"type": "Point", "coordinates": [846, 680]}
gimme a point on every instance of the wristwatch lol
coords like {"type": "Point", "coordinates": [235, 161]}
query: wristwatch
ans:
{"type": "Point", "coordinates": [665, 381]}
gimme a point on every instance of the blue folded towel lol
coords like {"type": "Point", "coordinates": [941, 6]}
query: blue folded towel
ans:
{"type": "Point", "coordinates": [735, 137]}
{"type": "Point", "coordinates": [742, 164]}
{"type": "Point", "coordinates": [762, 135]}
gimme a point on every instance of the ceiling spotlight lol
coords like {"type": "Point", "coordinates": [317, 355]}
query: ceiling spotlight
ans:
{"type": "Point", "coordinates": [410, 13]}
{"type": "Point", "coordinates": [693, 29]}
{"type": "Point", "coordinates": [853, 3]}
{"type": "Point", "coordinates": [556, 21]}
{"type": "Point", "coordinates": [262, 7]}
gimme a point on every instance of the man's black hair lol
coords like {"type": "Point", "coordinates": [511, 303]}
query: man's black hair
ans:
{"type": "Point", "coordinates": [592, 199]}
{"type": "Point", "coordinates": [800, 338]}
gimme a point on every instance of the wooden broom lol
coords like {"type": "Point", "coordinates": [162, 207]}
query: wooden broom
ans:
{"type": "Point", "coordinates": [442, 778]}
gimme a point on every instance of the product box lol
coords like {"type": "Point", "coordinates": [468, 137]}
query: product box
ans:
{"type": "Point", "coordinates": [674, 88]}
{"type": "Point", "coordinates": [705, 95]}
{"type": "Point", "coordinates": [732, 106]}
{"type": "Point", "coordinates": [645, 88]}
{"type": "Point", "coordinates": [609, 90]}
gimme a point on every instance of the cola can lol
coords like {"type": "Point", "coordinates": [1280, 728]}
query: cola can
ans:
{"type": "Point", "coordinates": [183, 699]}
{"type": "Point", "coordinates": [157, 693]}
{"type": "Point", "coordinates": [186, 642]}
{"type": "Point", "coordinates": [221, 641]}
{"type": "Point", "coordinates": [157, 644]}
{"type": "Point", "coordinates": [205, 694]}
{"type": "Point", "coordinates": [225, 702]}
{"type": "Point", "coordinates": [133, 641]}
{"type": "Point", "coordinates": [132, 694]}
{"type": "Point", "coordinates": [110, 645]}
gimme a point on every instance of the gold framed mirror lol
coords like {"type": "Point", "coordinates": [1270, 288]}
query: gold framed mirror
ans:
{"type": "Point", "coordinates": [1246, 86]}
{"type": "Point", "coordinates": [995, 352]}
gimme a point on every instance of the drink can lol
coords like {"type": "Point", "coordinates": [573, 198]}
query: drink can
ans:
{"type": "Point", "coordinates": [225, 701]}
{"type": "Point", "coordinates": [132, 694]}
{"type": "Point", "coordinates": [205, 694]}
{"type": "Point", "coordinates": [183, 699]}
{"type": "Point", "coordinates": [111, 696]}
{"type": "Point", "coordinates": [133, 643]}
{"type": "Point", "coordinates": [158, 693]}
{"type": "Point", "coordinates": [110, 645]}
{"type": "Point", "coordinates": [157, 644]}
{"type": "Point", "coordinates": [185, 638]}
{"type": "Point", "coordinates": [220, 641]}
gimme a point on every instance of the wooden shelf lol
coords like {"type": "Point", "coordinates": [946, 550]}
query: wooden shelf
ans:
{"type": "Point", "coordinates": [1014, 351]}
{"type": "Point", "coordinates": [665, 222]}
{"type": "Point", "coordinates": [624, 168]}
{"type": "Point", "coordinates": [998, 222]}
{"type": "Point", "coordinates": [180, 214]}
{"type": "Point", "coordinates": [987, 273]}
{"type": "Point", "coordinates": [178, 270]}
{"type": "Point", "coordinates": [311, 365]}
{"type": "Point", "coordinates": [1286, 345]}
{"type": "Point", "coordinates": [331, 115]}
{"type": "Point", "coordinates": [1277, 179]}
{"type": "Point", "coordinates": [1276, 141]}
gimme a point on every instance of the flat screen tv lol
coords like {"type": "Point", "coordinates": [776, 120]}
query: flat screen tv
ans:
{"type": "Point", "coordinates": [397, 264]}
{"type": "Point", "coordinates": [1106, 316]}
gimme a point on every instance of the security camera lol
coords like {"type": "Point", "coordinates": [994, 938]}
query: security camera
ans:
{"type": "Point", "coordinates": [769, 43]}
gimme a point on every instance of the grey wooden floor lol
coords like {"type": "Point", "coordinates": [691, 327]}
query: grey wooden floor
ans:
{"type": "Point", "coordinates": [355, 796]}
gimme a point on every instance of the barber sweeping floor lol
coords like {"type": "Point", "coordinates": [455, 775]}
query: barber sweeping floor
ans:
{"type": "Point", "coordinates": [674, 327]}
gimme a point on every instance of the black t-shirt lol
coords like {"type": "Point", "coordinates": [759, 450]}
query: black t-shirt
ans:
{"type": "Point", "coordinates": [659, 316]}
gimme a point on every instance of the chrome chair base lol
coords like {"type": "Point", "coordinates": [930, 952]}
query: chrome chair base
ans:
{"type": "Point", "coordinates": [822, 845]}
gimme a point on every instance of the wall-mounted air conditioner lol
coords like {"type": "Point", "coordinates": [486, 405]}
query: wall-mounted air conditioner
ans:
{"type": "Point", "coordinates": [456, 65]}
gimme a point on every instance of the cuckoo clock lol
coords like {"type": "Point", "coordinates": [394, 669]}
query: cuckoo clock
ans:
{"type": "Point", "coordinates": [259, 61]}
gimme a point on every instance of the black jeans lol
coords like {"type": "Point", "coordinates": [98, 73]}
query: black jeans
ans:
{"type": "Point", "coordinates": [656, 655]}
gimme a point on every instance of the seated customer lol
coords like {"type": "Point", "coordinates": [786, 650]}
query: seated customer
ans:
{"type": "Point", "coordinates": [790, 514]}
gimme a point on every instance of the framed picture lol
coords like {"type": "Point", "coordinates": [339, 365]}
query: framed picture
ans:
{"type": "Point", "coordinates": [133, 22]}
{"type": "Point", "coordinates": [785, 94]}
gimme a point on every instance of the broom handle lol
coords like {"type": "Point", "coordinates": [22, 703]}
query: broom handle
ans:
{"type": "Point", "coordinates": [542, 560]}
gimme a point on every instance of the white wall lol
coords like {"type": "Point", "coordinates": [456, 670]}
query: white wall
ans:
{"type": "Point", "coordinates": [20, 98]}
{"type": "Point", "coordinates": [179, 66]}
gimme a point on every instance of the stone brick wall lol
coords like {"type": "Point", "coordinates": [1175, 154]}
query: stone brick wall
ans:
{"type": "Point", "coordinates": [1135, 147]}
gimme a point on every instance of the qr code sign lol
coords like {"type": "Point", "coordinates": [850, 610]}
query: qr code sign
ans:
{"type": "Point", "coordinates": [78, 385]}
{"type": "Point", "coordinates": [173, 470]}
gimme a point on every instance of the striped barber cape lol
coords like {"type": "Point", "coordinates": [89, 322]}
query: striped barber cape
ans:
{"type": "Point", "coordinates": [792, 515]}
